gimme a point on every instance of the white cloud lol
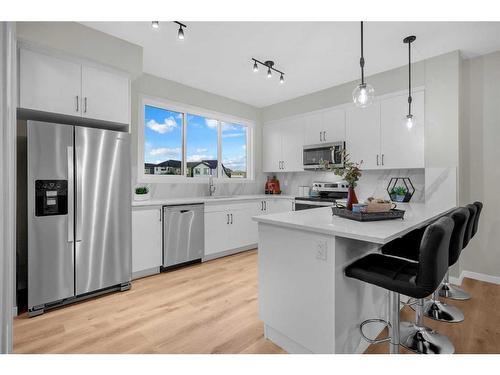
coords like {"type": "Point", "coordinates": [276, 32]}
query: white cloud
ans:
{"type": "Point", "coordinates": [165, 151]}
{"type": "Point", "coordinates": [196, 157]}
{"type": "Point", "coordinates": [201, 150]}
{"type": "Point", "coordinates": [168, 125]}
{"type": "Point", "coordinates": [244, 147]}
{"type": "Point", "coordinates": [238, 162]}
{"type": "Point", "coordinates": [211, 123]}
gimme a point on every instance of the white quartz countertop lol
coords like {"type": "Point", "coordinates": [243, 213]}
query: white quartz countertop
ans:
{"type": "Point", "coordinates": [207, 200]}
{"type": "Point", "coordinates": [321, 220]}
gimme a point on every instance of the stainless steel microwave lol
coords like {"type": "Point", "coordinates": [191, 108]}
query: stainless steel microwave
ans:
{"type": "Point", "coordinates": [331, 152]}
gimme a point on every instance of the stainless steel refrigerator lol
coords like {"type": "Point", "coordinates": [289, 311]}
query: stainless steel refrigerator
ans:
{"type": "Point", "coordinates": [79, 213]}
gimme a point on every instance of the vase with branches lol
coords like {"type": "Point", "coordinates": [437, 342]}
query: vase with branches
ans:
{"type": "Point", "coordinates": [350, 172]}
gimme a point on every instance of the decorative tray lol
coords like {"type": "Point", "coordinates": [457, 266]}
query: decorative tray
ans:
{"type": "Point", "coordinates": [368, 216]}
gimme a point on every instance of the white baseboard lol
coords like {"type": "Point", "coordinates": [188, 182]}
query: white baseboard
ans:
{"type": "Point", "coordinates": [475, 276]}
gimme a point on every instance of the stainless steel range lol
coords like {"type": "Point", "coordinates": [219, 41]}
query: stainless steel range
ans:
{"type": "Point", "coordinates": [323, 194]}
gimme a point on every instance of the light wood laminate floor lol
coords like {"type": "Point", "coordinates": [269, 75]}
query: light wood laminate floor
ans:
{"type": "Point", "coordinates": [210, 308]}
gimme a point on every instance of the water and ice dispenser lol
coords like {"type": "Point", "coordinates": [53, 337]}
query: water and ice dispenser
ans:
{"type": "Point", "coordinates": [51, 197]}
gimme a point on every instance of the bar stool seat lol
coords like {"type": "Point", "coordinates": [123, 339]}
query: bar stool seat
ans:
{"type": "Point", "coordinates": [414, 279]}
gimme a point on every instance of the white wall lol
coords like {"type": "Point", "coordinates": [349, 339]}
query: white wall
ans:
{"type": "Point", "coordinates": [479, 159]}
{"type": "Point", "coordinates": [84, 42]}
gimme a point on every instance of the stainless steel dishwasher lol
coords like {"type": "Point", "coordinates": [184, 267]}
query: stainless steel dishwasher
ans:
{"type": "Point", "coordinates": [183, 234]}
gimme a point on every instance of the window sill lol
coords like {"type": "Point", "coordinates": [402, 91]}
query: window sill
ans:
{"type": "Point", "coordinates": [157, 179]}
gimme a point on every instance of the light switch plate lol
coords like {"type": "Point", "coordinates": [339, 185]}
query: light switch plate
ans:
{"type": "Point", "coordinates": [321, 250]}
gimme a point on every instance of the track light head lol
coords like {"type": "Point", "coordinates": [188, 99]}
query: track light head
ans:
{"type": "Point", "coordinates": [155, 24]}
{"type": "Point", "coordinates": [255, 67]}
{"type": "Point", "coordinates": [269, 73]}
{"type": "Point", "coordinates": [180, 33]}
{"type": "Point", "coordinates": [282, 80]}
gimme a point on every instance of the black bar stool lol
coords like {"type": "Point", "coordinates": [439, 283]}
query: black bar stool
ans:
{"type": "Point", "coordinates": [413, 279]}
{"type": "Point", "coordinates": [433, 308]}
{"type": "Point", "coordinates": [448, 290]}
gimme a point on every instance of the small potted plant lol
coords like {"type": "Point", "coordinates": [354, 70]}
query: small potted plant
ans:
{"type": "Point", "coordinates": [398, 193]}
{"type": "Point", "coordinates": [141, 193]}
{"type": "Point", "coordinates": [350, 172]}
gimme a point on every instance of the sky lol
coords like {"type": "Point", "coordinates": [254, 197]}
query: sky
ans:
{"type": "Point", "coordinates": [163, 139]}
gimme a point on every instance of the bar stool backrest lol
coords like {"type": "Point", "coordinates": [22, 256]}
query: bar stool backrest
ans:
{"type": "Point", "coordinates": [433, 259]}
{"type": "Point", "coordinates": [479, 207]}
{"type": "Point", "coordinates": [460, 217]}
{"type": "Point", "coordinates": [470, 224]}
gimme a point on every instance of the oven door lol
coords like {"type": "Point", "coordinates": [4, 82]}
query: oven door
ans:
{"type": "Point", "coordinates": [333, 153]}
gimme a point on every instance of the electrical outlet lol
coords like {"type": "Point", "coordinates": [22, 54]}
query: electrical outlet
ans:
{"type": "Point", "coordinates": [321, 250]}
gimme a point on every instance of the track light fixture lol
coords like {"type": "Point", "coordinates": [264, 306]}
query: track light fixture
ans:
{"type": "Point", "coordinates": [364, 93]}
{"type": "Point", "coordinates": [270, 67]}
{"type": "Point", "coordinates": [180, 32]}
{"type": "Point", "coordinates": [155, 24]}
{"type": "Point", "coordinates": [410, 120]}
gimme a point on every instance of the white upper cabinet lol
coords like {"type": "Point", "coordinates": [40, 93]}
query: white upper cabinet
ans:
{"type": "Point", "coordinates": [271, 135]}
{"type": "Point", "coordinates": [333, 125]}
{"type": "Point", "coordinates": [52, 84]}
{"type": "Point", "coordinates": [378, 134]}
{"type": "Point", "coordinates": [402, 147]}
{"type": "Point", "coordinates": [292, 143]}
{"type": "Point", "coordinates": [313, 128]}
{"type": "Point", "coordinates": [363, 135]}
{"type": "Point", "coordinates": [325, 127]}
{"type": "Point", "coordinates": [49, 84]}
{"type": "Point", "coordinates": [105, 95]}
{"type": "Point", "coordinates": [282, 146]}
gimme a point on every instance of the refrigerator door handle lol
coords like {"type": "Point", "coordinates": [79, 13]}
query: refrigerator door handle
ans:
{"type": "Point", "coordinates": [71, 192]}
{"type": "Point", "coordinates": [79, 204]}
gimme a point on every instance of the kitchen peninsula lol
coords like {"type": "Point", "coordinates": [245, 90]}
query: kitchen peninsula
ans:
{"type": "Point", "coordinates": [305, 301]}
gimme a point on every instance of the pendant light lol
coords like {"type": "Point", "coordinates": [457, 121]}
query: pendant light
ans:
{"type": "Point", "coordinates": [364, 93]}
{"type": "Point", "coordinates": [409, 120]}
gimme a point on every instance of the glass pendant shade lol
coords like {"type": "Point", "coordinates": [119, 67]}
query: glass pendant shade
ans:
{"type": "Point", "coordinates": [363, 95]}
{"type": "Point", "coordinates": [410, 121]}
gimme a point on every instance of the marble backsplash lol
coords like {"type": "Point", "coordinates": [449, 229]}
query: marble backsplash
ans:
{"type": "Point", "coordinates": [371, 184]}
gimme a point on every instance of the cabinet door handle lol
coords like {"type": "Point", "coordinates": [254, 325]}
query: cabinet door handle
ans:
{"type": "Point", "coordinates": [227, 218]}
{"type": "Point", "coordinates": [320, 133]}
{"type": "Point", "coordinates": [283, 164]}
{"type": "Point", "coordinates": [231, 218]}
{"type": "Point", "coordinates": [324, 136]}
{"type": "Point", "coordinates": [382, 159]}
{"type": "Point", "coordinates": [377, 159]}
{"type": "Point", "coordinates": [85, 105]}
{"type": "Point", "coordinates": [265, 206]}
{"type": "Point", "coordinates": [77, 103]}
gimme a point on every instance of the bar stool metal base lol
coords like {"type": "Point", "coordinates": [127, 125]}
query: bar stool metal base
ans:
{"type": "Point", "coordinates": [424, 340]}
{"type": "Point", "coordinates": [453, 292]}
{"type": "Point", "coordinates": [441, 311]}
{"type": "Point", "coordinates": [435, 309]}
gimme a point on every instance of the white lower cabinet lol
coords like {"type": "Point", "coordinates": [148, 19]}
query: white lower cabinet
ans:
{"type": "Point", "coordinates": [229, 227]}
{"type": "Point", "coordinates": [147, 252]}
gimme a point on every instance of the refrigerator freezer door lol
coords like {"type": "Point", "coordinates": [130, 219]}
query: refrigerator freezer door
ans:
{"type": "Point", "coordinates": [103, 210]}
{"type": "Point", "coordinates": [50, 213]}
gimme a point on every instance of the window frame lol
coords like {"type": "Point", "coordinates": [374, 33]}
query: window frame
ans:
{"type": "Point", "coordinates": [186, 109]}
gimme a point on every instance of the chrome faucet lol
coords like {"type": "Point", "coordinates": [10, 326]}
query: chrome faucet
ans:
{"type": "Point", "coordinates": [211, 186]}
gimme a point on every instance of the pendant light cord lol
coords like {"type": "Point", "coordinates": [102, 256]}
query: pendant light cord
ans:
{"type": "Point", "coordinates": [409, 79]}
{"type": "Point", "coordinates": [362, 59]}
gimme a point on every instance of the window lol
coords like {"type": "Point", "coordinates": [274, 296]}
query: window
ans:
{"type": "Point", "coordinates": [184, 143]}
{"type": "Point", "coordinates": [162, 141]}
{"type": "Point", "coordinates": [201, 146]}
{"type": "Point", "coordinates": [234, 150]}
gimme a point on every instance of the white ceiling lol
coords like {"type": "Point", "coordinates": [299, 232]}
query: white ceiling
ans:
{"type": "Point", "coordinates": [216, 56]}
